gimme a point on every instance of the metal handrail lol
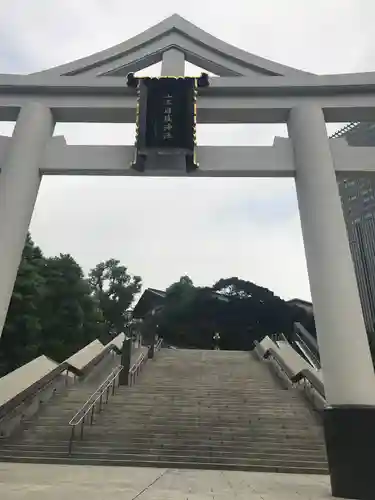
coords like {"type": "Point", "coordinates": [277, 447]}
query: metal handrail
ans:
{"type": "Point", "coordinates": [309, 339]}
{"type": "Point", "coordinates": [97, 391]}
{"type": "Point", "coordinates": [158, 344]}
{"type": "Point", "coordinates": [89, 406]}
{"type": "Point", "coordinates": [137, 368]}
{"type": "Point", "coordinates": [110, 382]}
{"type": "Point", "coordinates": [314, 359]}
{"type": "Point", "coordinates": [141, 361]}
{"type": "Point", "coordinates": [342, 131]}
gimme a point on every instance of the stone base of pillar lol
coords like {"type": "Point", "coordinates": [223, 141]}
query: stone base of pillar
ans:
{"type": "Point", "coordinates": [350, 442]}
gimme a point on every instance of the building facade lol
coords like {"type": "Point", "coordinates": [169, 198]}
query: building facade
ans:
{"type": "Point", "coordinates": [358, 202]}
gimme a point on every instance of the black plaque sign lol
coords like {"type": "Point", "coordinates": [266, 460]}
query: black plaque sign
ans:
{"type": "Point", "coordinates": [166, 118]}
{"type": "Point", "coordinates": [170, 113]}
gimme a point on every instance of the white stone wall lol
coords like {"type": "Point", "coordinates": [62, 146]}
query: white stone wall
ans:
{"type": "Point", "coordinates": [83, 357]}
{"type": "Point", "coordinates": [19, 380]}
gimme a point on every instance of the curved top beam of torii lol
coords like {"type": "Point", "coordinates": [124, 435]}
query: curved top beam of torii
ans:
{"type": "Point", "coordinates": [244, 94]}
{"type": "Point", "coordinates": [199, 47]}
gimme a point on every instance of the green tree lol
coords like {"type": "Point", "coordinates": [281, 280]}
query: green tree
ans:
{"type": "Point", "coordinates": [70, 316]}
{"type": "Point", "coordinates": [239, 310]}
{"type": "Point", "coordinates": [53, 310]}
{"type": "Point", "coordinates": [115, 289]}
{"type": "Point", "coordinates": [21, 340]}
{"type": "Point", "coordinates": [238, 288]}
{"type": "Point", "coordinates": [175, 318]}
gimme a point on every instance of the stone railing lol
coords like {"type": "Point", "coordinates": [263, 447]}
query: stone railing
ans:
{"type": "Point", "coordinates": [26, 389]}
{"type": "Point", "coordinates": [293, 370]}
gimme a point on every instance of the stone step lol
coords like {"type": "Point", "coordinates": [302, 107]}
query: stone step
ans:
{"type": "Point", "coordinates": [265, 445]}
{"type": "Point", "coordinates": [167, 437]}
{"type": "Point", "coordinates": [211, 414]}
{"type": "Point", "coordinates": [139, 461]}
{"type": "Point", "coordinates": [270, 406]}
{"type": "Point", "coordinates": [181, 441]}
{"type": "Point", "coordinates": [222, 386]}
{"type": "Point", "coordinates": [121, 413]}
{"type": "Point", "coordinates": [175, 436]}
{"type": "Point", "coordinates": [135, 411]}
{"type": "Point", "coordinates": [180, 425]}
{"type": "Point", "coordinates": [115, 447]}
{"type": "Point", "coordinates": [239, 393]}
{"type": "Point", "coordinates": [92, 448]}
{"type": "Point", "coordinates": [188, 430]}
{"type": "Point", "coordinates": [234, 395]}
{"type": "Point", "coordinates": [157, 455]}
{"type": "Point", "coordinates": [188, 409]}
{"type": "Point", "coordinates": [206, 382]}
{"type": "Point", "coordinates": [188, 420]}
{"type": "Point", "coordinates": [121, 405]}
{"type": "Point", "coordinates": [203, 415]}
{"type": "Point", "coordinates": [144, 388]}
{"type": "Point", "coordinates": [240, 407]}
{"type": "Point", "coordinates": [173, 410]}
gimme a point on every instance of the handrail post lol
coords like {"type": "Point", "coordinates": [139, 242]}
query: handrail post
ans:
{"type": "Point", "coordinates": [71, 440]}
{"type": "Point", "coordinates": [82, 425]}
{"type": "Point", "coordinates": [125, 361]}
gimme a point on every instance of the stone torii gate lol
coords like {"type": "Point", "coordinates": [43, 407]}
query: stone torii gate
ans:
{"type": "Point", "coordinates": [249, 90]}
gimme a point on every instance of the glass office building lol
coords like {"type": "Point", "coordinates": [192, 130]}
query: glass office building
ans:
{"type": "Point", "coordinates": [358, 202]}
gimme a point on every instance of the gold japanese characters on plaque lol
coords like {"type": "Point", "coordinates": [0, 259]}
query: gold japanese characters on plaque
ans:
{"type": "Point", "coordinates": [166, 116]}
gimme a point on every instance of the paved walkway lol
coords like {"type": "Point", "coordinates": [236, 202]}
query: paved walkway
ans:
{"type": "Point", "coordinates": [65, 482]}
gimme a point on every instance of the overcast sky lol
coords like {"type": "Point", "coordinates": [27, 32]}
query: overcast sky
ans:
{"type": "Point", "coordinates": [163, 228]}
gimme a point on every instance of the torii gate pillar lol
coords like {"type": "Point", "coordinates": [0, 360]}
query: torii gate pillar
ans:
{"type": "Point", "coordinates": [348, 372]}
{"type": "Point", "coordinates": [19, 186]}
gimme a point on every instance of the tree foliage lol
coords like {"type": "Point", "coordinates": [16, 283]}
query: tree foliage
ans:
{"type": "Point", "coordinates": [55, 311]}
{"type": "Point", "coordinates": [239, 310]}
{"type": "Point", "coordinates": [115, 289]}
{"type": "Point", "coordinates": [21, 338]}
{"type": "Point", "coordinates": [70, 317]}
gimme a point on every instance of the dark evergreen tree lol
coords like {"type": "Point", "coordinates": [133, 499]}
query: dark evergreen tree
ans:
{"type": "Point", "coordinates": [21, 340]}
{"type": "Point", "coordinates": [70, 317]}
{"type": "Point", "coordinates": [114, 289]}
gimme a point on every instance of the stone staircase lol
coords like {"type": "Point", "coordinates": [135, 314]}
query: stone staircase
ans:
{"type": "Point", "coordinates": [189, 409]}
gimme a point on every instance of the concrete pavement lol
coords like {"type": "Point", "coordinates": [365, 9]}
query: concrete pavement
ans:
{"type": "Point", "coordinates": [62, 482]}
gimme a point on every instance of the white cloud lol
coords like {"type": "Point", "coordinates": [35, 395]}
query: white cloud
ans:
{"type": "Point", "coordinates": [162, 228]}
{"type": "Point", "coordinates": [317, 36]}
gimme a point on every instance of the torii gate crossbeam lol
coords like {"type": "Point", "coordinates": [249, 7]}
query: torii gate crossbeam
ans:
{"type": "Point", "coordinates": [343, 98]}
